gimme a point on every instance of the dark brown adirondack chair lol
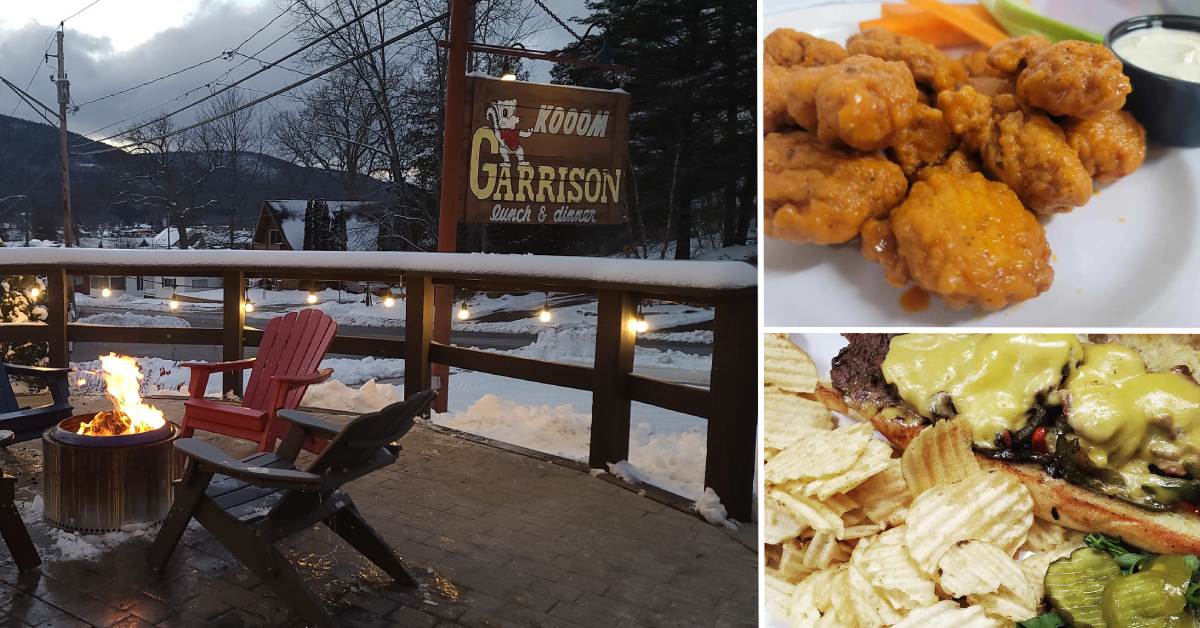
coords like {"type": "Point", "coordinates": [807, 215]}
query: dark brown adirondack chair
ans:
{"type": "Point", "coordinates": [228, 497]}
{"type": "Point", "coordinates": [291, 350]}
{"type": "Point", "coordinates": [29, 423]}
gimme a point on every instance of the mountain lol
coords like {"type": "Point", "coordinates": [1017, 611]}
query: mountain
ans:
{"type": "Point", "coordinates": [101, 181]}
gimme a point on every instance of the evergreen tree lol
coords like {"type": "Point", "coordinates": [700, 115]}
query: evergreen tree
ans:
{"type": "Point", "coordinates": [691, 76]}
{"type": "Point", "coordinates": [18, 304]}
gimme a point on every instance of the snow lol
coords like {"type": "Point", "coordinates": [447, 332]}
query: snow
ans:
{"type": "Point", "coordinates": [130, 319]}
{"type": "Point", "coordinates": [74, 546]}
{"type": "Point", "coordinates": [710, 507]}
{"type": "Point", "coordinates": [578, 346]}
{"type": "Point", "coordinates": [585, 271]}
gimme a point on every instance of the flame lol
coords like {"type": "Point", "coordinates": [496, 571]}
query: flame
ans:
{"type": "Point", "coordinates": [130, 414]}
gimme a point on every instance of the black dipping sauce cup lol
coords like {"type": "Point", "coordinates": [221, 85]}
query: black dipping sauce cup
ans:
{"type": "Point", "coordinates": [1169, 108]}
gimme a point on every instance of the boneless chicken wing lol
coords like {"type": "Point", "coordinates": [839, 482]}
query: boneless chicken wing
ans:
{"type": "Point", "coordinates": [970, 240]}
{"type": "Point", "coordinates": [814, 192]}
{"type": "Point", "coordinates": [1029, 152]}
{"type": "Point", "coordinates": [1074, 78]}
{"type": "Point", "coordinates": [791, 48]}
{"type": "Point", "coordinates": [862, 101]}
{"type": "Point", "coordinates": [925, 141]}
{"type": "Point", "coordinates": [1110, 145]}
{"type": "Point", "coordinates": [928, 65]}
{"type": "Point", "coordinates": [1009, 56]}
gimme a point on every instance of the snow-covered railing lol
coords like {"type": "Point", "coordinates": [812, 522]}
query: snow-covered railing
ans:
{"type": "Point", "coordinates": [730, 288]}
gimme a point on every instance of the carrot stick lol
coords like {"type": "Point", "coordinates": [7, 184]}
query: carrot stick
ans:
{"type": "Point", "coordinates": [926, 27]}
{"type": "Point", "coordinates": [893, 9]}
{"type": "Point", "coordinates": [983, 32]}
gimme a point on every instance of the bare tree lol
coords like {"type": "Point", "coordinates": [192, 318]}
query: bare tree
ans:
{"type": "Point", "coordinates": [168, 177]}
{"type": "Point", "coordinates": [233, 143]}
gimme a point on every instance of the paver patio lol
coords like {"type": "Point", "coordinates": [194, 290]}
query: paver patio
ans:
{"type": "Point", "coordinates": [495, 537]}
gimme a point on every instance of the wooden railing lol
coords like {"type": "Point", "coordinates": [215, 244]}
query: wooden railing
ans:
{"type": "Point", "coordinates": [729, 404]}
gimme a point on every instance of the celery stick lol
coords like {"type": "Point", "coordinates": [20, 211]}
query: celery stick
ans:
{"type": "Point", "coordinates": [1018, 19]}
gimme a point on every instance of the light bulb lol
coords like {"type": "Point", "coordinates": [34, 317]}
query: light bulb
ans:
{"type": "Point", "coordinates": [508, 76]}
{"type": "Point", "coordinates": [106, 293]}
{"type": "Point", "coordinates": [632, 325]}
{"type": "Point", "coordinates": [545, 315]}
{"type": "Point", "coordinates": [463, 313]}
{"type": "Point", "coordinates": [312, 298]}
{"type": "Point", "coordinates": [388, 302]}
{"type": "Point", "coordinates": [642, 326]}
{"type": "Point", "coordinates": [80, 382]}
{"type": "Point", "coordinates": [174, 305]}
{"type": "Point", "coordinates": [249, 307]}
{"type": "Point", "coordinates": [34, 292]}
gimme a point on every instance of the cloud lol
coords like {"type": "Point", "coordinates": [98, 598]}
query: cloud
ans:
{"type": "Point", "coordinates": [96, 67]}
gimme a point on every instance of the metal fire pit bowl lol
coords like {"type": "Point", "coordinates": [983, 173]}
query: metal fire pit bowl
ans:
{"type": "Point", "coordinates": [99, 484]}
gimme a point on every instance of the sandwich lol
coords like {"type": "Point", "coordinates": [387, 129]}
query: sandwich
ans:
{"type": "Point", "coordinates": [1104, 432]}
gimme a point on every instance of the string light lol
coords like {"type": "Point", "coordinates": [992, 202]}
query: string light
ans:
{"type": "Point", "coordinates": [545, 316]}
{"type": "Point", "coordinates": [388, 302]}
{"type": "Point", "coordinates": [35, 292]}
{"type": "Point", "coordinates": [81, 382]}
{"type": "Point", "coordinates": [248, 307]}
{"type": "Point", "coordinates": [312, 298]}
{"type": "Point", "coordinates": [106, 293]}
{"type": "Point", "coordinates": [173, 304]}
{"type": "Point", "coordinates": [638, 323]}
{"type": "Point", "coordinates": [463, 312]}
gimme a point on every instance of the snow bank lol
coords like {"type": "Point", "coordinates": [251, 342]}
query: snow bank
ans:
{"type": "Point", "coordinates": [558, 430]}
{"type": "Point", "coordinates": [130, 319]}
{"type": "Point", "coordinates": [578, 346]}
{"type": "Point", "coordinates": [359, 370]}
{"type": "Point", "coordinates": [369, 397]}
{"type": "Point", "coordinates": [710, 507]}
{"type": "Point", "coordinates": [671, 274]}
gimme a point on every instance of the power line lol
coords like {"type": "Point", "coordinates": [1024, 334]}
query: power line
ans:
{"type": "Point", "coordinates": [76, 14]}
{"type": "Point", "coordinates": [151, 81]}
{"type": "Point", "coordinates": [289, 55]}
{"type": "Point", "coordinates": [226, 54]}
{"type": "Point", "coordinates": [216, 81]}
{"type": "Point", "coordinates": [35, 71]}
{"type": "Point", "coordinates": [408, 33]}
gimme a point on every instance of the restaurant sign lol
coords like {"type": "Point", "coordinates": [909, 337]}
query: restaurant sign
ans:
{"type": "Point", "coordinates": [545, 154]}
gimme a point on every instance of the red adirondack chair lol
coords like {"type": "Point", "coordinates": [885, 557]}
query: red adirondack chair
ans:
{"type": "Point", "coordinates": [291, 350]}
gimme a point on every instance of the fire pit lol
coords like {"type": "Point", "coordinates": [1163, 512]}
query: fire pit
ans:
{"type": "Point", "coordinates": [107, 470]}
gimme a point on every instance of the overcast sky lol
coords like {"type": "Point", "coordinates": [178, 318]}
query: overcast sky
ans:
{"type": "Point", "coordinates": [119, 43]}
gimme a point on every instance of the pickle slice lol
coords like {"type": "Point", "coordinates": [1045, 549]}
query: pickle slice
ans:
{"type": "Point", "coordinates": [1075, 586]}
{"type": "Point", "coordinates": [1141, 599]}
{"type": "Point", "coordinates": [1174, 568]}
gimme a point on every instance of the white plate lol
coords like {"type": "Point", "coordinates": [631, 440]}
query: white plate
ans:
{"type": "Point", "coordinates": [1129, 258]}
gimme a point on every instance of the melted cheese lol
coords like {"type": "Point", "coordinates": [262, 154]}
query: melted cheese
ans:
{"type": "Point", "coordinates": [993, 381]}
{"type": "Point", "coordinates": [1126, 417]}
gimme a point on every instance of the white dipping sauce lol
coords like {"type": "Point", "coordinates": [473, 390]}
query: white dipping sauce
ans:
{"type": "Point", "coordinates": [1168, 51]}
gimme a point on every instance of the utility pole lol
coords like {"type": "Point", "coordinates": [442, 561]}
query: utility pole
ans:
{"type": "Point", "coordinates": [64, 166]}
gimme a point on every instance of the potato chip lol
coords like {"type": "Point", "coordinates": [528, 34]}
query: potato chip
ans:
{"type": "Point", "coordinates": [822, 586]}
{"type": "Point", "coordinates": [841, 598]}
{"type": "Point", "coordinates": [792, 566]}
{"type": "Point", "coordinates": [1004, 605]}
{"type": "Point", "coordinates": [786, 366]}
{"type": "Point", "coordinates": [974, 567]}
{"type": "Point", "coordinates": [819, 516]}
{"type": "Point", "coordinates": [883, 494]}
{"type": "Point", "coordinates": [860, 531]}
{"type": "Point", "coordinates": [788, 417]}
{"type": "Point", "coordinates": [821, 551]}
{"type": "Point", "coordinates": [871, 607]}
{"type": "Point", "coordinates": [1035, 564]}
{"type": "Point", "coordinates": [886, 563]}
{"type": "Point", "coordinates": [947, 614]}
{"type": "Point", "coordinates": [990, 506]}
{"type": "Point", "coordinates": [873, 460]}
{"type": "Point", "coordinates": [940, 454]}
{"type": "Point", "coordinates": [780, 523]}
{"type": "Point", "coordinates": [819, 454]}
{"type": "Point", "coordinates": [802, 609]}
{"type": "Point", "coordinates": [778, 595]}
{"type": "Point", "coordinates": [1044, 535]}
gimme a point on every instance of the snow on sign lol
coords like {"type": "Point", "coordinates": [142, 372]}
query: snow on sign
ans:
{"type": "Point", "coordinates": [545, 154]}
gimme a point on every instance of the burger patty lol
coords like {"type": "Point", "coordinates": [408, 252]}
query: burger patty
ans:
{"type": "Point", "coordinates": [857, 371]}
